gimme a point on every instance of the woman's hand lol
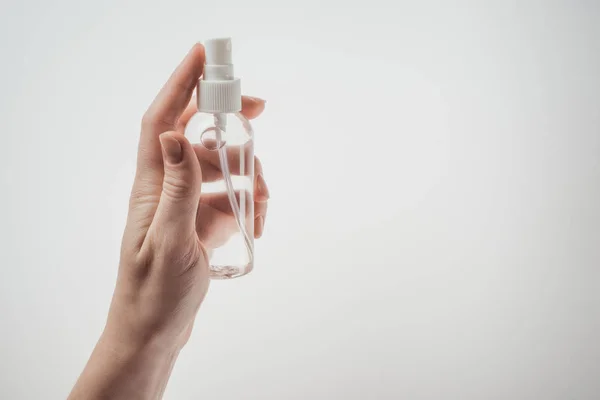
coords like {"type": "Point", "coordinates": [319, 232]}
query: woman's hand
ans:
{"type": "Point", "coordinates": [163, 275]}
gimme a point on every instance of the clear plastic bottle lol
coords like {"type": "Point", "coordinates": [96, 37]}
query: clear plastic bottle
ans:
{"type": "Point", "coordinates": [223, 140]}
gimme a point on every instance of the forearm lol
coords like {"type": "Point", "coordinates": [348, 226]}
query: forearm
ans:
{"type": "Point", "coordinates": [125, 371]}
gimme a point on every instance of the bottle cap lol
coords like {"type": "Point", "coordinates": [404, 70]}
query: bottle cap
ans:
{"type": "Point", "coordinates": [218, 90]}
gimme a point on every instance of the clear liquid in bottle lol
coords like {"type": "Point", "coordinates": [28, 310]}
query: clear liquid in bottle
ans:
{"type": "Point", "coordinates": [225, 148]}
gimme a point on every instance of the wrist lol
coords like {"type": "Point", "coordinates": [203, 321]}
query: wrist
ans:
{"type": "Point", "coordinates": [120, 370]}
{"type": "Point", "coordinates": [125, 370]}
{"type": "Point", "coordinates": [122, 345]}
{"type": "Point", "coordinates": [126, 332]}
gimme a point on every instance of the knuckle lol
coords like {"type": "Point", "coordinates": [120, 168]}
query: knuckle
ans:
{"type": "Point", "coordinates": [258, 169]}
{"type": "Point", "coordinates": [140, 197]}
{"type": "Point", "coordinates": [177, 256]}
{"type": "Point", "coordinates": [148, 119]}
{"type": "Point", "coordinates": [152, 120]}
{"type": "Point", "coordinates": [188, 259]}
{"type": "Point", "coordinates": [260, 209]}
{"type": "Point", "coordinates": [177, 187]}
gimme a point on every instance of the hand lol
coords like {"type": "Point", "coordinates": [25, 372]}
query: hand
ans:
{"type": "Point", "coordinates": [161, 241]}
{"type": "Point", "coordinates": [163, 275]}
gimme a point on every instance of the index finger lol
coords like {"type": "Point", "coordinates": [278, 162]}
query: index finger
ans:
{"type": "Point", "coordinates": [169, 104]}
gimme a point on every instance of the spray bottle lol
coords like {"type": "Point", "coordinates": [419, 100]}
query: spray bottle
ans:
{"type": "Point", "coordinates": [224, 142]}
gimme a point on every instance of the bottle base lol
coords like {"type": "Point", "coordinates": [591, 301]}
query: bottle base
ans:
{"type": "Point", "coordinates": [229, 272]}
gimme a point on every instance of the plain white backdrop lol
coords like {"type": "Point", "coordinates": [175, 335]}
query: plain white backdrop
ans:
{"type": "Point", "coordinates": [434, 168]}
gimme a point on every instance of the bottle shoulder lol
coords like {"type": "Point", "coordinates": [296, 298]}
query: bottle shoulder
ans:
{"type": "Point", "coordinates": [234, 128]}
{"type": "Point", "coordinates": [230, 121]}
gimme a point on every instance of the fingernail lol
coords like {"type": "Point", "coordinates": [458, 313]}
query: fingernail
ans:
{"type": "Point", "coordinates": [262, 191]}
{"type": "Point", "coordinates": [259, 225]}
{"type": "Point", "coordinates": [257, 99]}
{"type": "Point", "coordinates": [171, 148]}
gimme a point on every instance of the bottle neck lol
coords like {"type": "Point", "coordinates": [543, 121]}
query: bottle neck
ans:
{"type": "Point", "coordinates": [219, 96]}
{"type": "Point", "coordinates": [218, 72]}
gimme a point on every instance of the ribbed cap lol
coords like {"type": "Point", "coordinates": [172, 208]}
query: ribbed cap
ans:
{"type": "Point", "coordinates": [218, 90]}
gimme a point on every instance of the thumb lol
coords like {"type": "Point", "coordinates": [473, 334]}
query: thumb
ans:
{"type": "Point", "coordinates": [178, 204]}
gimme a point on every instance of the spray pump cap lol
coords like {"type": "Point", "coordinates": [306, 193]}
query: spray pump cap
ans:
{"type": "Point", "coordinates": [218, 90]}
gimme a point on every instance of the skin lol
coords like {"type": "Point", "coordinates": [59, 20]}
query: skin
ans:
{"type": "Point", "coordinates": [171, 228]}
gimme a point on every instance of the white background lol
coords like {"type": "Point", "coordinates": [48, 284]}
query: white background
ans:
{"type": "Point", "coordinates": [434, 229]}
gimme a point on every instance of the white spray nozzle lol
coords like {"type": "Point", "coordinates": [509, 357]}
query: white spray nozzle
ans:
{"type": "Point", "coordinates": [218, 64]}
{"type": "Point", "coordinates": [218, 51]}
{"type": "Point", "coordinates": [218, 90]}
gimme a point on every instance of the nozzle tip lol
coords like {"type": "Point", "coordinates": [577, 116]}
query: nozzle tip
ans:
{"type": "Point", "coordinates": [218, 51]}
